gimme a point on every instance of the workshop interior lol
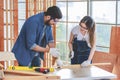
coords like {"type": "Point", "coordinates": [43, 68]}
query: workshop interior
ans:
{"type": "Point", "coordinates": [56, 64]}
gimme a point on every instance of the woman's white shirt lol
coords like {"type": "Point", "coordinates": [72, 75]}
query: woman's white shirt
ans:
{"type": "Point", "coordinates": [76, 32]}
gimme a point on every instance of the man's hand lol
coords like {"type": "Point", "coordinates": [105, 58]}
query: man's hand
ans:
{"type": "Point", "coordinates": [71, 54]}
{"type": "Point", "coordinates": [86, 63]}
{"type": "Point", "coordinates": [47, 49]}
{"type": "Point", "coordinates": [54, 52]}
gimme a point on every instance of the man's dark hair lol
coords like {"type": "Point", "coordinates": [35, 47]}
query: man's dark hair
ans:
{"type": "Point", "coordinates": [54, 12]}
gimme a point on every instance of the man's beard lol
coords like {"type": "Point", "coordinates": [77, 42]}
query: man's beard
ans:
{"type": "Point", "coordinates": [47, 23]}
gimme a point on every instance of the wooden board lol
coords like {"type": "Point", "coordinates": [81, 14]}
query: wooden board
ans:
{"type": "Point", "coordinates": [21, 73]}
{"type": "Point", "coordinates": [25, 78]}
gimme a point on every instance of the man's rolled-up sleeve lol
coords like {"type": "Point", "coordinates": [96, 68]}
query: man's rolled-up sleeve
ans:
{"type": "Point", "coordinates": [50, 37]}
{"type": "Point", "coordinates": [33, 46]}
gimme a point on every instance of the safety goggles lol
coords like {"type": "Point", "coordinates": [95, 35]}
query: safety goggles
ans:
{"type": "Point", "coordinates": [83, 27]}
{"type": "Point", "coordinates": [54, 19]}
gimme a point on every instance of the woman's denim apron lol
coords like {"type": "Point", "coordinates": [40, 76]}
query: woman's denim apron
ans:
{"type": "Point", "coordinates": [81, 51]}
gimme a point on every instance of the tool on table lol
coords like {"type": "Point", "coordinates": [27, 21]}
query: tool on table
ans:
{"type": "Point", "coordinates": [96, 64]}
{"type": "Point", "coordinates": [37, 69]}
{"type": "Point", "coordinates": [43, 70]}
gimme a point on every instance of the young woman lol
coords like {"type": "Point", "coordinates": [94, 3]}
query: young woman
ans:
{"type": "Point", "coordinates": [82, 42]}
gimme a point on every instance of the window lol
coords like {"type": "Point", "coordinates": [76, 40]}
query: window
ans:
{"type": "Point", "coordinates": [105, 17]}
{"type": "Point", "coordinates": [70, 19]}
{"type": "Point", "coordinates": [102, 11]}
{"type": "Point", "coordinates": [103, 32]}
{"type": "Point", "coordinates": [76, 10]}
{"type": "Point", "coordinates": [21, 13]}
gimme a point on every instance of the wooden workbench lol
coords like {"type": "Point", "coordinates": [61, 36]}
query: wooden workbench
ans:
{"type": "Point", "coordinates": [71, 72]}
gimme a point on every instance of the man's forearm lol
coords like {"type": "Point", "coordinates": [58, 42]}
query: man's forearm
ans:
{"type": "Point", "coordinates": [38, 48]}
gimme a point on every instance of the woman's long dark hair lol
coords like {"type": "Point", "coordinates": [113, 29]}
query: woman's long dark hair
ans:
{"type": "Point", "coordinates": [90, 24]}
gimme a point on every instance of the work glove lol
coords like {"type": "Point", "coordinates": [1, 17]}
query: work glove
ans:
{"type": "Point", "coordinates": [86, 63]}
{"type": "Point", "coordinates": [59, 63]}
{"type": "Point", "coordinates": [54, 52]}
{"type": "Point", "coordinates": [71, 54]}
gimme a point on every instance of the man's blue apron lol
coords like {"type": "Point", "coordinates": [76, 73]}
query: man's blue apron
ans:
{"type": "Point", "coordinates": [81, 51]}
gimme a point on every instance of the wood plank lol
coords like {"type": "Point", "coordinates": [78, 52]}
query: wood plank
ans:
{"type": "Point", "coordinates": [102, 57]}
{"type": "Point", "coordinates": [78, 65]}
{"type": "Point", "coordinates": [116, 69]}
{"type": "Point", "coordinates": [27, 9]}
{"type": "Point", "coordinates": [21, 72]}
{"type": "Point", "coordinates": [29, 73]}
{"type": "Point", "coordinates": [15, 13]}
{"type": "Point", "coordinates": [115, 40]}
{"type": "Point", "coordinates": [11, 22]}
{"type": "Point", "coordinates": [6, 27]}
{"type": "Point", "coordinates": [1, 25]}
{"type": "Point", "coordinates": [25, 78]}
{"type": "Point", "coordinates": [35, 4]}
